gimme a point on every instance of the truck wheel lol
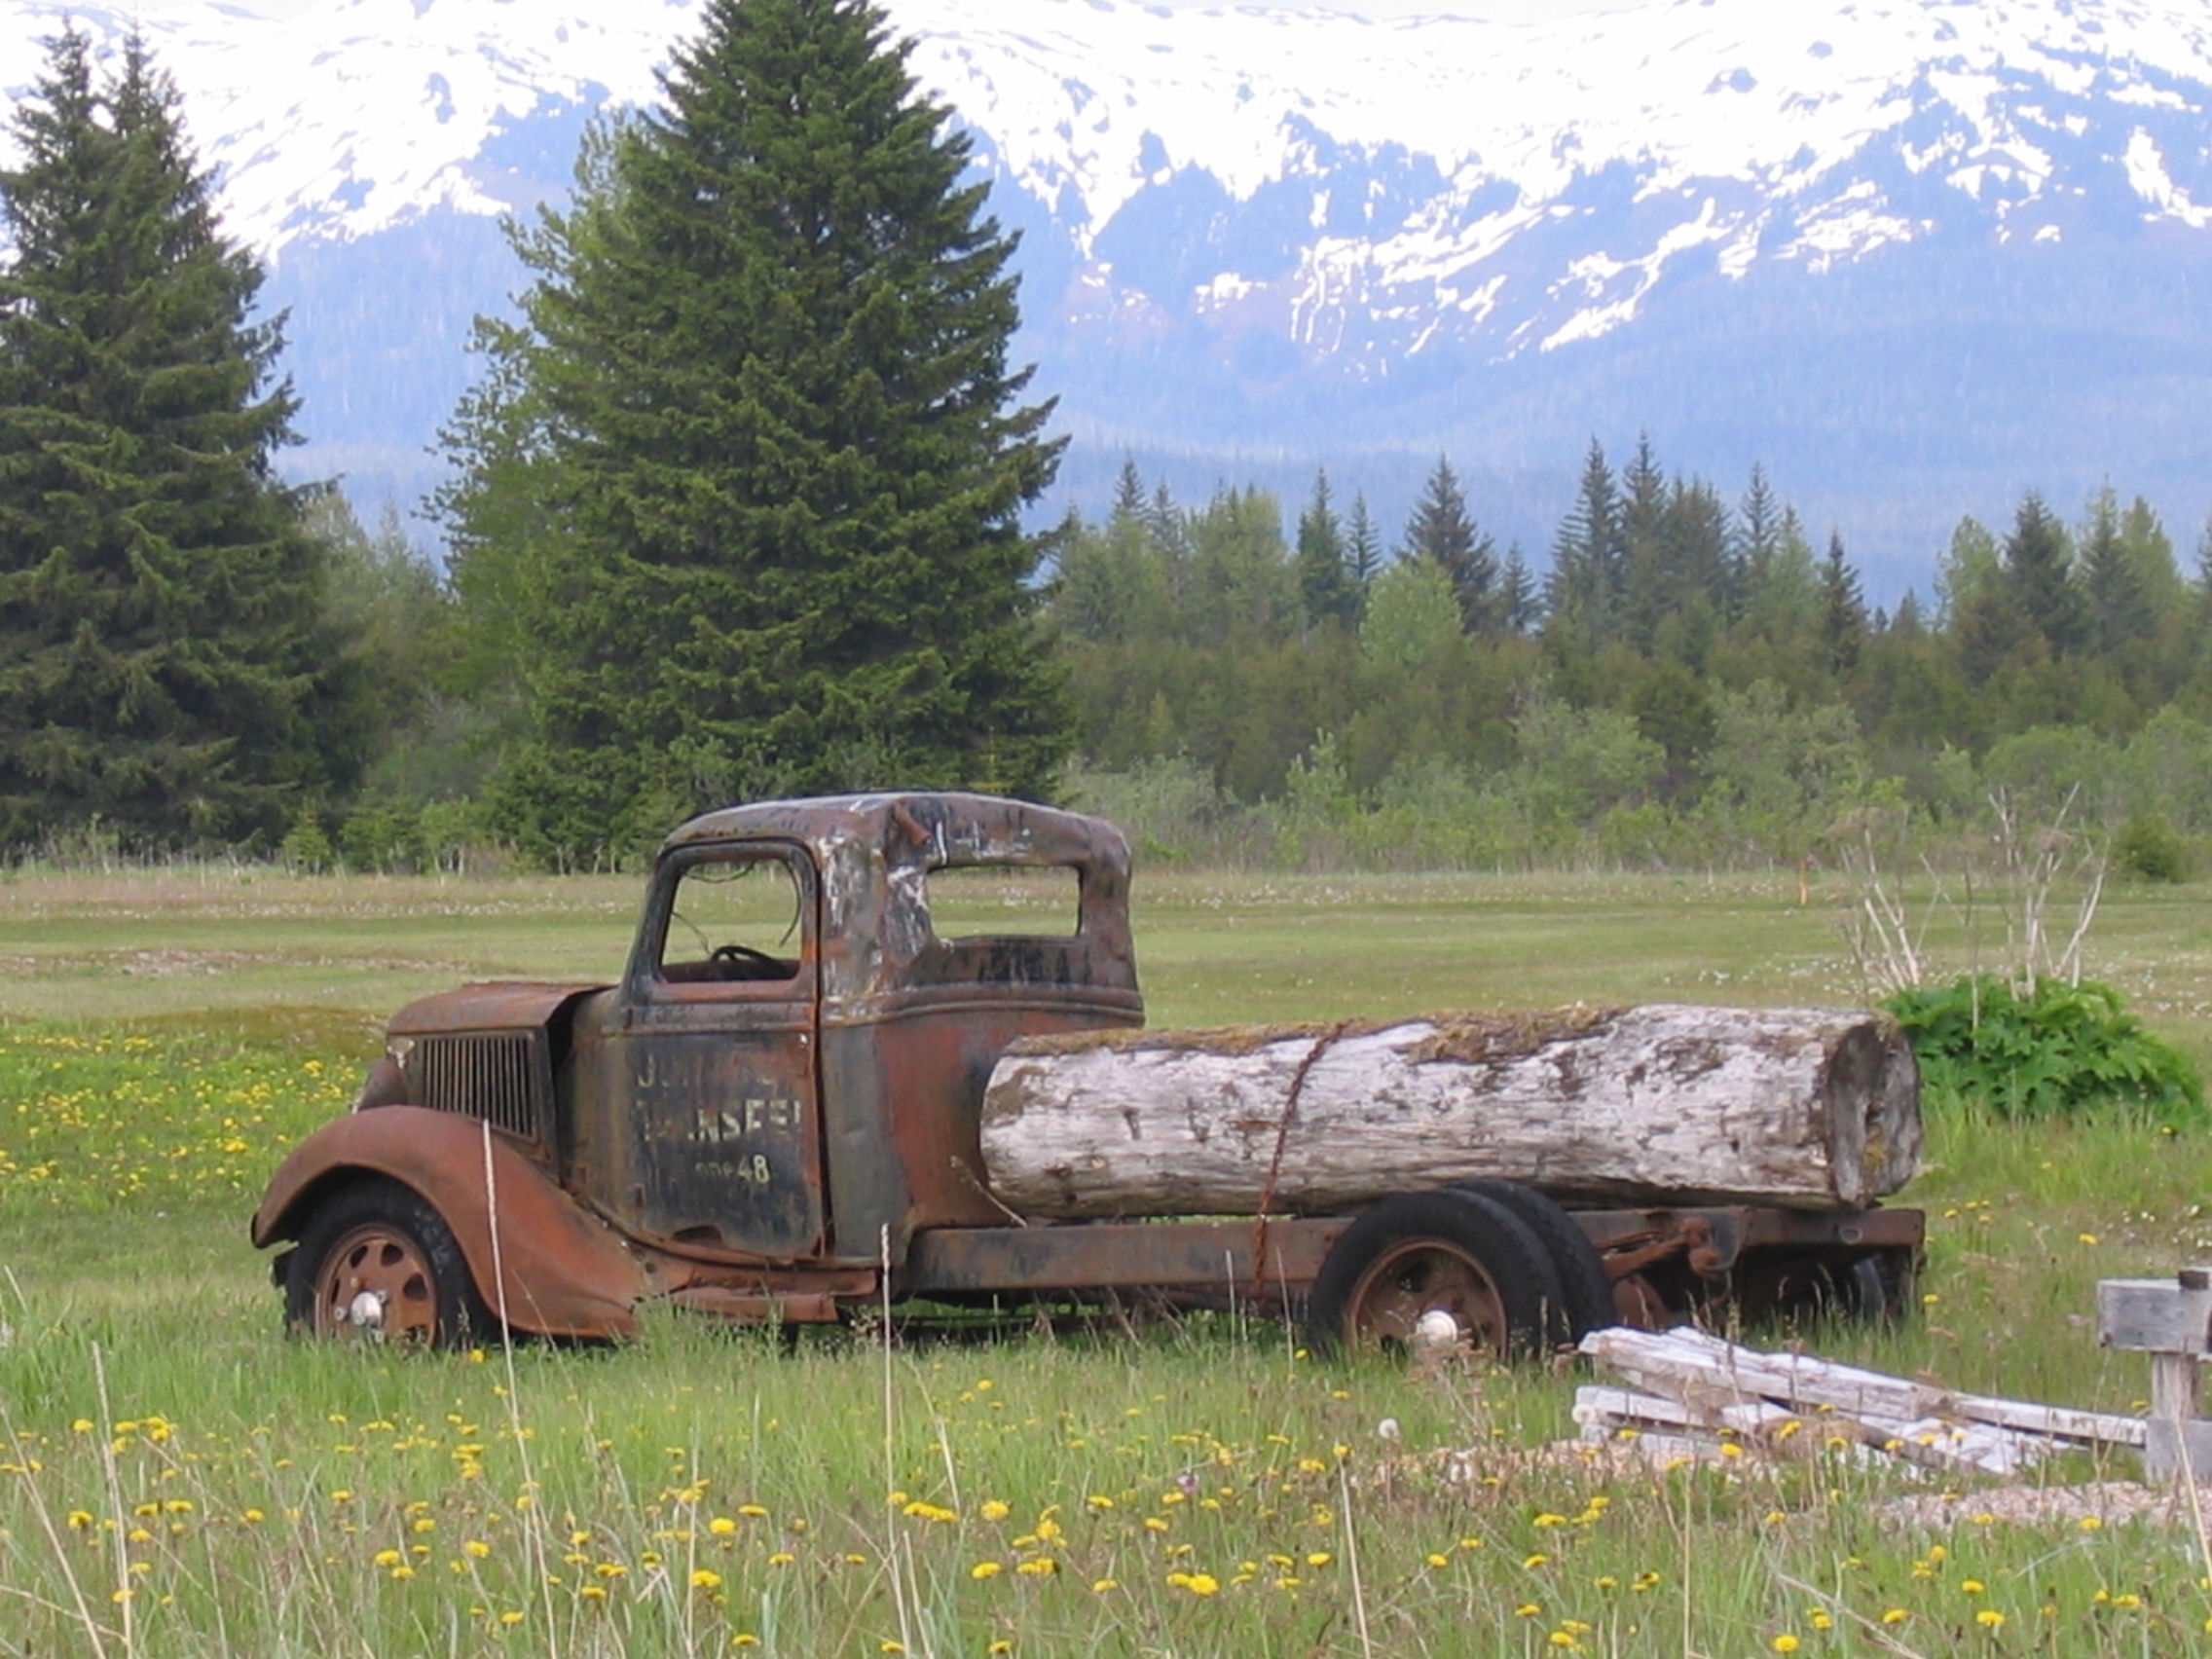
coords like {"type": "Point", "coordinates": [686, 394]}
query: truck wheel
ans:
{"type": "Point", "coordinates": [1442, 1269]}
{"type": "Point", "coordinates": [376, 1262]}
{"type": "Point", "coordinates": [1586, 1291]}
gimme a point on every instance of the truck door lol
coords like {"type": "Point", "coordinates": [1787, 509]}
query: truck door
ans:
{"type": "Point", "coordinates": [715, 1054]}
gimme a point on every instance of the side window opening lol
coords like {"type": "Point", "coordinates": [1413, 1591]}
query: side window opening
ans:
{"type": "Point", "coordinates": [977, 902]}
{"type": "Point", "coordinates": [735, 920]}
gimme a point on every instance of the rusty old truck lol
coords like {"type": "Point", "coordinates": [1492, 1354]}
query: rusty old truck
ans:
{"type": "Point", "coordinates": [772, 1115]}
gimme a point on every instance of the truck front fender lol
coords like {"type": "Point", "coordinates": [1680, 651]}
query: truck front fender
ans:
{"type": "Point", "coordinates": [561, 1271]}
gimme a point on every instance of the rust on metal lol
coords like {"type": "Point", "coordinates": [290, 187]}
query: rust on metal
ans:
{"type": "Point", "coordinates": [562, 1273]}
{"type": "Point", "coordinates": [1193, 1255]}
{"type": "Point", "coordinates": [385, 1263]}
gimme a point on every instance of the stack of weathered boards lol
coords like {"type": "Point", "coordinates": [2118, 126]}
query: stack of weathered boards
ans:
{"type": "Point", "coordinates": [1692, 1393]}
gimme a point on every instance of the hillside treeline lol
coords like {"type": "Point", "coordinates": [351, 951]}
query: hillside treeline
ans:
{"type": "Point", "coordinates": [1690, 681]}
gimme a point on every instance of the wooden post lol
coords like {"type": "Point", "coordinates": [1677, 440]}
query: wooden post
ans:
{"type": "Point", "coordinates": [2170, 1321]}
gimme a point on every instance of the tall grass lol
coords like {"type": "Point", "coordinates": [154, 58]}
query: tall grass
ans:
{"type": "Point", "coordinates": [176, 1479]}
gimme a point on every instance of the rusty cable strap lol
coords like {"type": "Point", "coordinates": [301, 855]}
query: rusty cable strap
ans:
{"type": "Point", "coordinates": [1282, 1139]}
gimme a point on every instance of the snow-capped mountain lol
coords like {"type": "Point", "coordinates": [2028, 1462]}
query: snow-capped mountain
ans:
{"type": "Point", "coordinates": [1917, 255]}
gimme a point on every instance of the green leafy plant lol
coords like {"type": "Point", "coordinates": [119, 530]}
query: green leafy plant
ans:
{"type": "Point", "coordinates": [2054, 1051]}
{"type": "Point", "coordinates": [2148, 849]}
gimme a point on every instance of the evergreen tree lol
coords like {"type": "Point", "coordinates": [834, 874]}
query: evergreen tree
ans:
{"type": "Point", "coordinates": [1325, 583]}
{"type": "Point", "coordinates": [167, 663]}
{"type": "Point", "coordinates": [764, 402]}
{"type": "Point", "coordinates": [1648, 590]}
{"type": "Point", "coordinates": [2119, 605]}
{"type": "Point", "coordinates": [1519, 609]}
{"type": "Point", "coordinates": [2038, 573]}
{"type": "Point", "coordinates": [1843, 609]}
{"type": "Point", "coordinates": [1582, 593]}
{"type": "Point", "coordinates": [1758, 541]}
{"type": "Point", "coordinates": [1441, 529]}
{"type": "Point", "coordinates": [1128, 491]}
{"type": "Point", "coordinates": [1363, 548]}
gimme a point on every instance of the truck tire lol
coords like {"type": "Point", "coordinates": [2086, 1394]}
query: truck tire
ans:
{"type": "Point", "coordinates": [1446, 1252]}
{"type": "Point", "coordinates": [1876, 1289]}
{"type": "Point", "coordinates": [376, 1262]}
{"type": "Point", "coordinates": [1586, 1290]}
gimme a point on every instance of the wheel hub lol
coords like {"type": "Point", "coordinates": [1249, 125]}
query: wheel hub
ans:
{"type": "Point", "coordinates": [1426, 1294]}
{"type": "Point", "coordinates": [376, 1285]}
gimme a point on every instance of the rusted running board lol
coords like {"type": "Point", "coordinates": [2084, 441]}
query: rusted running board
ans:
{"type": "Point", "coordinates": [1119, 1256]}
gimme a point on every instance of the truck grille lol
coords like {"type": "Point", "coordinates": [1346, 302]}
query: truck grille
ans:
{"type": "Point", "coordinates": [501, 1077]}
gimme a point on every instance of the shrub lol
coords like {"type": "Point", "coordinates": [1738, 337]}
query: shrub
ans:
{"type": "Point", "coordinates": [2148, 849]}
{"type": "Point", "coordinates": [2055, 1052]}
{"type": "Point", "coordinates": [306, 846]}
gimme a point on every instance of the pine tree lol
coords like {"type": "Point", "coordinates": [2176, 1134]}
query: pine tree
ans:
{"type": "Point", "coordinates": [1441, 529]}
{"type": "Point", "coordinates": [167, 663]}
{"type": "Point", "coordinates": [763, 378]}
{"type": "Point", "coordinates": [2038, 573]}
{"type": "Point", "coordinates": [1128, 491]}
{"type": "Point", "coordinates": [1325, 583]}
{"type": "Point", "coordinates": [1582, 594]}
{"type": "Point", "coordinates": [1648, 590]}
{"type": "Point", "coordinates": [1758, 537]}
{"type": "Point", "coordinates": [2119, 608]}
{"type": "Point", "coordinates": [1843, 609]}
{"type": "Point", "coordinates": [1517, 607]}
{"type": "Point", "coordinates": [1363, 548]}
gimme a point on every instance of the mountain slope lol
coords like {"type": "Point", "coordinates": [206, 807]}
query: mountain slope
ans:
{"type": "Point", "coordinates": [1915, 254]}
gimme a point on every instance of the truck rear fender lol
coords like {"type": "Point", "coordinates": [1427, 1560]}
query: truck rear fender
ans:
{"type": "Point", "coordinates": [562, 1272]}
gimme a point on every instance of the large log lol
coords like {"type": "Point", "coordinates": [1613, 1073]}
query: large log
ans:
{"type": "Point", "coordinates": [1811, 1108]}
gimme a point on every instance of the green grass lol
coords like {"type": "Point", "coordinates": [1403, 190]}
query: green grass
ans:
{"type": "Point", "coordinates": [171, 1037]}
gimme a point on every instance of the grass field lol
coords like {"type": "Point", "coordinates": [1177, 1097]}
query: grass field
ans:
{"type": "Point", "coordinates": [182, 1481]}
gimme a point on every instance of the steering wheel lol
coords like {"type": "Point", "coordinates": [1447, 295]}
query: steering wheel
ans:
{"type": "Point", "coordinates": [732, 955]}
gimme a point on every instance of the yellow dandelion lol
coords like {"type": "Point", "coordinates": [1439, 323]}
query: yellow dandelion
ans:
{"type": "Point", "coordinates": [994, 1510]}
{"type": "Point", "coordinates": [1099, 1585]}
{"type": "Point", "coordinates": [1989, 1618]}
{"type": "Point", "coordinates": [985, 1570]}
{"type": "Point", "coordinates": [1786, 1644]}
{"type": "Point", "coordinates": [706, 1578]}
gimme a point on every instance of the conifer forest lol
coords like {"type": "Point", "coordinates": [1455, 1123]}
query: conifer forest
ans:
{"type": "Point", "coordinates": [750, 499]}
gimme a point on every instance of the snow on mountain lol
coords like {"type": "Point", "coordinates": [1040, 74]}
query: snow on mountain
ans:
{"type": "Point", "coordinates": [1916, 242]}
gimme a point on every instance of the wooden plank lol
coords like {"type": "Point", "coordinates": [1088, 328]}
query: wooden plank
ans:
{"type": "Point", "coordinates": [1687, 1364]}
{"type": "Point", "coordinates": [2056, 1422]}
{"type": "Point", "coordinates": [1686, 1359]}
{"type": "Point", "coordinates": [2153, 1315]}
